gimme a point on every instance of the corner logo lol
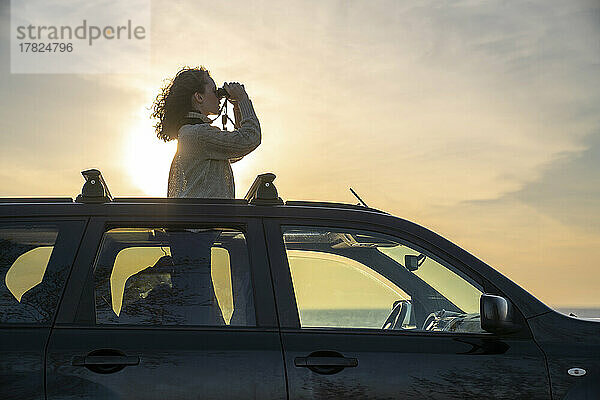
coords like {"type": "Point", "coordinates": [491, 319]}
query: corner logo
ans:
{"type": "Point", "coordinates": [81, 32]}
{"type": "Point", "coordinates": [88, 36]}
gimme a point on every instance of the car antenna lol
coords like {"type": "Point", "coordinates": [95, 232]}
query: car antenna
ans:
{"type": "Point", "coordinates": [359, 199]}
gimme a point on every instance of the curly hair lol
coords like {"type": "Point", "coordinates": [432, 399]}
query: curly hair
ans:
{"type": "Point", "coordinates": [175, 100]}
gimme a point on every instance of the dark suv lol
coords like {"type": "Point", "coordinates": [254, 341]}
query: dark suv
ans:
{"type": "Point", "coordinates": [161, 298]}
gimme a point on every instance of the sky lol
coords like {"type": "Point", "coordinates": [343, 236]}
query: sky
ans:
{"type": "Point", "coordinates": [477, 119]}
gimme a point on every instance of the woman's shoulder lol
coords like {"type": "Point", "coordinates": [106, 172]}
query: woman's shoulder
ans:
{"type": "Point", "coordinates": [191, 130]}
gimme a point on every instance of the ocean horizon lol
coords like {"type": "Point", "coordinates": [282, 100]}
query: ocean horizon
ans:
{"type": "Point", "coordinates": [374, 318]}
{"type": "Point", "coordinates": [581, 312]}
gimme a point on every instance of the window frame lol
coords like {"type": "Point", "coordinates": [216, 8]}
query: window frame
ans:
{"type": "Point", "coordinates": [68, 242]}
{"type": "Point", "coordinates": [419, 280]}
{"type": "Point", "coordinates": [112, 260]}
{"type": "Point", "coordinates": [81, 287]}
{"type": "Point", "coordinates": [282, 281]}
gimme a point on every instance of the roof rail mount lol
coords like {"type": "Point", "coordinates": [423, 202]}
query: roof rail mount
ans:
{"type": "Point", "coordinates": [263, 191]}
{"type": "Point", "coordinates": [94, 189]}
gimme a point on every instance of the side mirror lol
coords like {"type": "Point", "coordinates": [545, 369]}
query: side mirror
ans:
{"type": "Point", "coordinates": [497, 315]}
{"type": "Point", "coordinates": [412, 262]}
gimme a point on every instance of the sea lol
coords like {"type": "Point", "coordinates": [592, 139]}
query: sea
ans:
{"type": "Point", "coordinates": [373, 318]}
{"type": "Point", "coordinates": [580, 312]}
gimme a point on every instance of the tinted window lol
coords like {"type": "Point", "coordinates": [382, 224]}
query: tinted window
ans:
{"type": "Point", "coordinates": [156, 276]}
{"type": "Point", "coordinates": [33, 269]}
{"type": "Point", "coordinates": [359, 279]}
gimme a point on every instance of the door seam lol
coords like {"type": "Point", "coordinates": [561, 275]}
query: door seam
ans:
{"type": "Point", "coordinates": [58, 305]}
{"type": "Point", "coordinates": [287, 391]}
{"type": "Point", "coordinates": [546, 364]}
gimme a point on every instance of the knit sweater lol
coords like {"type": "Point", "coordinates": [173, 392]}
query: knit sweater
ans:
{"type": "Point", "coordinates": [201, 166]}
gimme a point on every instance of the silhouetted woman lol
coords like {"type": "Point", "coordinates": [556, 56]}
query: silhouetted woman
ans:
{"type": "Point", "coordinates": [201, 168]}
{"type": "Point", "coordinates": [202, 165]}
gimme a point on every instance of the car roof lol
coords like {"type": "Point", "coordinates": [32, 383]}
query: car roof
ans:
{"type": "Point", "coordinates": [11, 207]}
{"type": "Point", "coordinates": [95, 199]}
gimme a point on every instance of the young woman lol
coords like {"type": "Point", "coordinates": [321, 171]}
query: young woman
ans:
{"type": "Point", "coordinates": [202, 165]}
{"type": "Point", "coordinates": [201, 168]}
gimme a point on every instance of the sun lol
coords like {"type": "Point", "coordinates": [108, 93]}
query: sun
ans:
{"type": "Point", "coordinates": [148, 159]}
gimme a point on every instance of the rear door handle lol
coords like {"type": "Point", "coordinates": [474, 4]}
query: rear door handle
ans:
{"type": "Point", "coordinates": [86, 361]}
{"type": "Point", "coordinates": [312, 361]}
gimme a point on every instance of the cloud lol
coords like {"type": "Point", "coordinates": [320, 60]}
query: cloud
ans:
{"type": "Point", "coordinates": [569, 189]}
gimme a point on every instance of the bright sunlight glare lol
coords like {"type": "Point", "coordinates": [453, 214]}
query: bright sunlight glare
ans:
{"type": "Point", "coordinates": [148, 159]}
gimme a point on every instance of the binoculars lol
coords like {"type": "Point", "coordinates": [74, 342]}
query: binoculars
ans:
{"type": "Point", "coordinates": [221, 92]}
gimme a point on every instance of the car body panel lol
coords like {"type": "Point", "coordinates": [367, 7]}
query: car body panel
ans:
{"type": "Point", "coordinates": [408, 365]}
{"type": "Point", "coordinates": [174, 361]}
{"type": "Point", "coordinates": [417, 366]}
{"type": "Point", "coordinates": [570, 342]}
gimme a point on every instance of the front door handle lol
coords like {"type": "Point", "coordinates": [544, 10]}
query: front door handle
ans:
{"type": "Point", "coordinates": [105, 361]}
{"type": "Point", "coordinates": [84, 361]}
{"type": "Point", "coordinates": [326, 362]}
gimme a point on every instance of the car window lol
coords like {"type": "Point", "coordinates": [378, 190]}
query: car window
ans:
{"type": "Point", "coordinates": [32, 270]}
{"type": "Point", "coordinates": [336, 291]}
{"type": "Point", "coordinates": [449, 284]}
{"type": "Point", "coordinates": [157, 276]}
{"type": "Point", "coordinates": [361, 279]}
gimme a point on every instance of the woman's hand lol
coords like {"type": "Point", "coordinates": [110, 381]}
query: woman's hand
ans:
{"type": "Point", "coordinates": [236, 91]}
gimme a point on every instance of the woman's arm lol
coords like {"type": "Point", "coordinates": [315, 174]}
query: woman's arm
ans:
{"type": "Point", "coordinates": [237, 116]}
{"type": "Point", "coordinates": [225, 145]}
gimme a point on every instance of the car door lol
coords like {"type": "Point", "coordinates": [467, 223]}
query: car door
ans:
{"type": "Point", "coordinates": [370, 312]}
{"type": "Point", "coordinates": [175, 310]}
{"type": "Point", "coordinates": [36, 256]}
